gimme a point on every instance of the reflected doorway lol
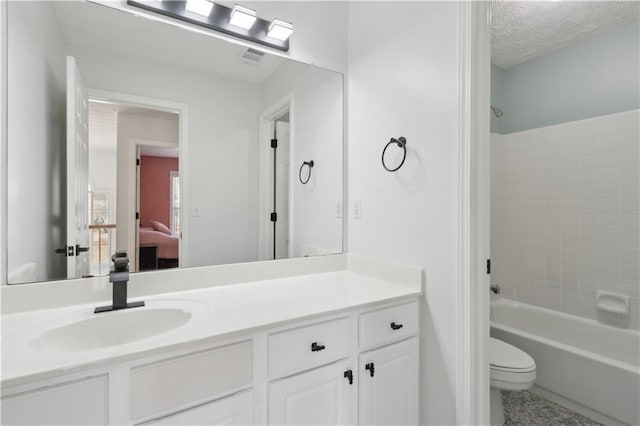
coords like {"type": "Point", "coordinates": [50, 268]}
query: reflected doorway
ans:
{"type": "Point", "coordinates": [133, 204]}
{"type": "Point", "coordinates": [280, 187]}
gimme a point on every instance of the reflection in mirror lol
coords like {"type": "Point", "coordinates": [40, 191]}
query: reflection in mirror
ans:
{"type": "Point", "coordinates": [180, 148]}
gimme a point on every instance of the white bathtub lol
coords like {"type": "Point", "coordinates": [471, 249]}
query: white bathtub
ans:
{"type": "Point", "coordinates": [590, 367]}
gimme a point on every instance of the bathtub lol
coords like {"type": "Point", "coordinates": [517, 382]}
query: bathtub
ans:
{"type": "Point", "coordinates": [589, 367]}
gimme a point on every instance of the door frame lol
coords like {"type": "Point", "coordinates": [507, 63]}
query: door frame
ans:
{"type": "Point", "coordinates": [3, 142]}
{"type": "Point", "coordinates": [265, 132]}
{"type": "Point", "coordinates": [472, 380]}
{"type": "Point", "coordinates": [182, 110]}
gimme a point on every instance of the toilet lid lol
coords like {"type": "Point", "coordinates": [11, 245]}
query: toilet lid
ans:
{"type": "Point", "coordinates": [508, 357]}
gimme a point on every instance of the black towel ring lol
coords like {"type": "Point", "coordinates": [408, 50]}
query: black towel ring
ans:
{"type": "Point", "coordinates": [309, 164]}
{"type": "Point", "coordinates": [402, 143]}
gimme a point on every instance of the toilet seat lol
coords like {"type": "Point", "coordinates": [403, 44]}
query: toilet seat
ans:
{"type": "Point", "coordinates": [511, 368]}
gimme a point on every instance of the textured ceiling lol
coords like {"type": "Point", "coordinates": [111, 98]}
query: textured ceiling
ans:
{"type": "Point", "coordinates": [103, 122]}
{"type": "Point", "coordinates": [523, 30]}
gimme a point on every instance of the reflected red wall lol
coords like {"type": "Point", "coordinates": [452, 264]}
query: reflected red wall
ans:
{"type": "Point", "coordinates": [154, 188]}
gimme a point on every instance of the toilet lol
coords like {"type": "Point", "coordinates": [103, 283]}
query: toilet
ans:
{"type": "Point", "coordinates": [511, 369]}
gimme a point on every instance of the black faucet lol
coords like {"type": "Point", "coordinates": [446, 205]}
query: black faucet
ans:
{"type": "Point", "coordinates": [119, 276]}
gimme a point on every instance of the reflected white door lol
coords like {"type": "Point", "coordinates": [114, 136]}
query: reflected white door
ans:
{"type": "Point", "coordinates": [135, 255]}
{"type": "Point", "coordinates": [78, 235]}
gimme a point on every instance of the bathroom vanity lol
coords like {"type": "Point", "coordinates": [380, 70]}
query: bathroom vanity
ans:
{"type": "Point", "coordinates": [338, 347]}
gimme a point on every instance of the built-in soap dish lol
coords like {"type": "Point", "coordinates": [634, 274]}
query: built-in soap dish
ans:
{"type": "Point", "coordinates": [612, 302]}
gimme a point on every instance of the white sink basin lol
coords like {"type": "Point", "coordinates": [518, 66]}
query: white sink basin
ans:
{"type": "Point", "coordinates": [111, 329]}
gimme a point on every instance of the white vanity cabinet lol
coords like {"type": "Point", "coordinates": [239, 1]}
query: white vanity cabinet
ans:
{"type": "Point", "coordinates": [388, 387]}
{"type": "Point", "coordinates": [377, 384]}
{"type": "Point", "coordinates": [321, 396]}
{"type": "Point", "coordinates": [389, 366]}
{"type": "Point", "coordinates": [300, 372]}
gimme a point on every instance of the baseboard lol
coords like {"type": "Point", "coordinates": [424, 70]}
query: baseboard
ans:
{"type": "Point", "coordinates": [574, 406]}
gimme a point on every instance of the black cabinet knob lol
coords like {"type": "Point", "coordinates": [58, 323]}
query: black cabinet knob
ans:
{"type": "Point", "coordinates": [349, 375]}
{"type": "Point", "coordinates": [315, 347]}
{"type": "Point", "coordinates": [371, 368]}
{"type": "Point", "coordinates": [395, 326]}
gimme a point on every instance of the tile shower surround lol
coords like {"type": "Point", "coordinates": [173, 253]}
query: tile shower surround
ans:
{"type": "Point", "coordinates": [565, 203]}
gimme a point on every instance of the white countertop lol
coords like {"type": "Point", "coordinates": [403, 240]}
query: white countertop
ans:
{"type": "Point", "coordinates": [223, 312]}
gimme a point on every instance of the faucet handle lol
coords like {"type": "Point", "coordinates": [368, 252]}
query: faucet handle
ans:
{"type": "Point", "coordinates": [120, 261]}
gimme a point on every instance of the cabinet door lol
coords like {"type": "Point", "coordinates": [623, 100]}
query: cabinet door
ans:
{"type": "Point", "coordinates": [233, 410]}
{"type": "Point", "coordinates": [318, 397]}
{"type": "Point", "coordinates": [389, 385]}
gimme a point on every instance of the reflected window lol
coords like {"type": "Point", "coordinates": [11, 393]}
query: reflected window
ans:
{"type": "Point", "coordinates": [174, 196]}
{"type": "Point", "coordinates": [101, 231]}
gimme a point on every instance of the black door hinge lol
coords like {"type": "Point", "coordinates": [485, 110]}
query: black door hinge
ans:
{"type": "Point", "coordinates": [274, 143]}
{"type": "Point", "coordinates": [274, 217]}
{"type": "Point", "coordinates": [488, 266]}
{"type": "Point", "coordinates": [137, 161]}
{"type": "Point", "coordinates": [137, 215]}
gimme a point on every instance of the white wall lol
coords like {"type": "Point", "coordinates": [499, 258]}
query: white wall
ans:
{"type": "Point", "coordinates": [404, 71]}
{"type": "Point", "coordinates": [317, 135]}
{"type": "Point", "coordinates": [132, 127]}
{"type": "Point", "coordinates": [564, 214]}
{"type": "Point", "coordinates": [222, 136]}
{"type": "Point", "coordinates": [37, 140]}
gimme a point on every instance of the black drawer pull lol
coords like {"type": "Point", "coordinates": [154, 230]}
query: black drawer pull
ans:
{"type": "Point", "coordinates": [371, 368]}
{"type": "Point", "coordinates": [395, 326]}
{"type": "Point", "coordinates": [349, 375]}
{"type": "Point", "coordinates": [315, 347]}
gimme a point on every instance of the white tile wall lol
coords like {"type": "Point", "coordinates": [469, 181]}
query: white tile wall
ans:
{"type": "Point", "coordinates": [565, 204]}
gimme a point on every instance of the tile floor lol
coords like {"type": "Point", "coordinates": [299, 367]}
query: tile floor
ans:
{"type": "Point", "coordinates": [525, 409]}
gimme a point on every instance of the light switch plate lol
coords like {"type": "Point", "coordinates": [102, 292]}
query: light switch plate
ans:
{"type": "Point", "coordinates": [195, 210]}
{"type": "Point", "coordinates": [357, 209]}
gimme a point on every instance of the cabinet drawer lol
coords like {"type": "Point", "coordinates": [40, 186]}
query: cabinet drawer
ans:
{"type": "Point", "coordinates": [170, 385]}
{"type": "Point", "coordinates": [387, 325]}
{"type": "Point", "coordinates": [81, 402]}
{"type": "Point", "coordinates": [233, 410]}
{"type": "Point", "coordinates": [306, 347]}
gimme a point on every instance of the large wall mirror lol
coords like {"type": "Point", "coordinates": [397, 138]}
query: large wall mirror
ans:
{"type": "Point", "coordinates": [135, 134]}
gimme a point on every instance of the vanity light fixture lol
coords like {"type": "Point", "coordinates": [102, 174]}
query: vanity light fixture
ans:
{"type": "Point", "coordinates": [242, 17]}
{"type": "Point", "coordinates": [280, 30]}
{"type": "Point", "coordinates": [199, 7]}
{"type": "Point", "coordinates": [238, 21]}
